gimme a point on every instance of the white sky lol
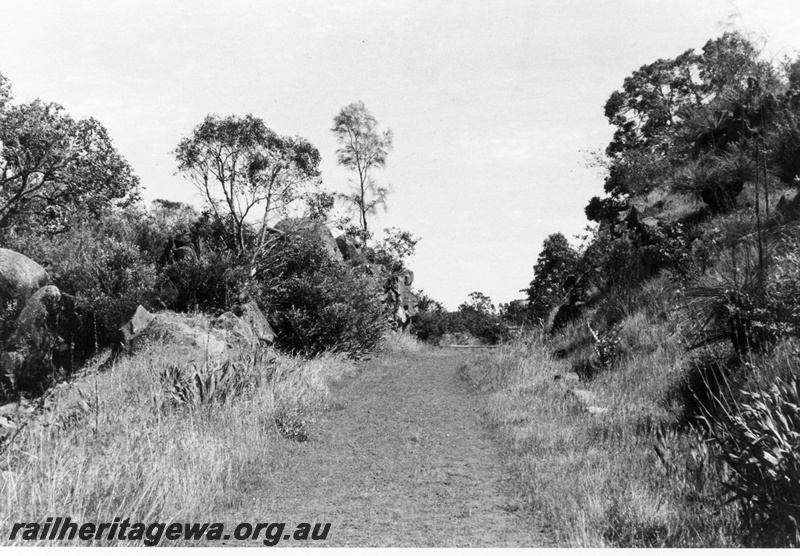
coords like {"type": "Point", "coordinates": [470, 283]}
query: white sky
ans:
{"type": "Point", "coordinates": [491, 102]}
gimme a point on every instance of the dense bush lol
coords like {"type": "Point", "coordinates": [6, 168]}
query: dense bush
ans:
{"type": "Point", "coordinates": [317, 304]}
{"type": "Point", "coordinates": [475, 319]}
{"type": "Point", "coordinates": [555, 276]}
{"type": "Point", "coordinates": [98, 263]}
{"type": "Point", "coordinates": [212, 282]}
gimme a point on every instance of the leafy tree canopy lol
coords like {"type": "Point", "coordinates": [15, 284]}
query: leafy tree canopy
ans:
{"type": "Point", "coordinates": [395, 247]}
{"type": "Point", "coordinates": [54, 168]}
{"type": "Point", "coordinates": [479, 303]}
{"type": "Point", "coordinates": [554, 269]}
{"type": "Point", "coordinates": [242, 168]}
{"type": "Point", "coordinates": [362, 149]}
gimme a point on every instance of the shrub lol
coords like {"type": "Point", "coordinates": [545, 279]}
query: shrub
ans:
{"type": "Point", "coordinates": [215, 281]}
{"type": "Point", "coordinates": [606, 345]}
{"type": "Point", "coordinates": [484, 326]}
{"type": "Point", "coordinates": [317, 304]}
{"type": "Point", "coordinates": [428, 326]}
{"type": "Point", "coordinates": [431, 326]}
{"type": "Point", "coordinates": [98, 264]}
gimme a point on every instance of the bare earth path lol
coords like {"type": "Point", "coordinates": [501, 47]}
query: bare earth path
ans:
{"type": "Point", "coordinates": [403, 460]}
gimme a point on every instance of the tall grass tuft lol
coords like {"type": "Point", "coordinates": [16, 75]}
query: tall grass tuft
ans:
{"type": "Point", "coordinates": [398, 342]}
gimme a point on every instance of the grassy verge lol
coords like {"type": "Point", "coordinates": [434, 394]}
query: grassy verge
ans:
{"type": "Point", "coordinates": [155, 439]}
{"type": "Point", "coordinates": [626, 476]}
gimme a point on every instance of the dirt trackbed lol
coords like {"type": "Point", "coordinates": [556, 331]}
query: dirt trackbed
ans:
{"type": "Point", "coordinates": [402, 460]}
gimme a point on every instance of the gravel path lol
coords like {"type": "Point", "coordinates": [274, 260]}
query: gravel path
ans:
{"type": "Point", "coordinates": [402, 460]}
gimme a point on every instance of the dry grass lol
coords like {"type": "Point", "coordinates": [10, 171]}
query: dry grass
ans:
{"type": "Point", "coordinates": [399, 343]}
{"type": "Point", "coordinates": [598, 480]}
{"type": "Point", "coordinates": [116, 444]}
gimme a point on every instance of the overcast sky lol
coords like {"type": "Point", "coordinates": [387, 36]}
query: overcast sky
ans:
{"type": "Point", "coordinates": [492, 103]}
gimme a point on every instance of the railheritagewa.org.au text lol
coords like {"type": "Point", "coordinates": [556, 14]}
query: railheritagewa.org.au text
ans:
{"type": "Point", "coordinates": [64, 529]}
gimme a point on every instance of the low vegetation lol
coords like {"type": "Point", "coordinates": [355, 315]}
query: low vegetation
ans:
{"type": "Point", "coordinates": [159, 439]}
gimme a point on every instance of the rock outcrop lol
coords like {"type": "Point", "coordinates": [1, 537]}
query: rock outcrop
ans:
{"type": "Point", "coordinates": [350, 250]}
{"type": "Point", "coordinates": [400, 296]}
{"type": "Point", "coordinates": [246, 324]}
{"type": "Point", "coordinates": [187, 339]}
{"type": "Point", "coordinates": [312, 230]}
{"type": "Point", "coordinates": [20, 278]}
{"type": "Point", "coordinates": [245, 327]}
{"type": "Point", "coordinates": [251, 315]}
{"type": "Point", "coordinates": [43, 340]}
{"type": "Point", "coordinates": [179, 248]}
{"type": "Point", "coordinates": [28, 352]}
{"type": "Point", "coordinates": [139, 322]}
{"type": "Point", "coordinates": [788, 207]}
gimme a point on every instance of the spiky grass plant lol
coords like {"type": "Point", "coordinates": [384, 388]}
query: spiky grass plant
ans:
{"type": "Point", "coordinates": [759, 438]}
{"type": "Point", "coordinates": [717, 179]}
{"type": "Point", "coordinates": [216, 382]}
{"type": "Point", "coordinates": [731, 302]}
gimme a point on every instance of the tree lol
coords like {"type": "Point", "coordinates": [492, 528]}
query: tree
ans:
{"type": "Point", "coordinates": [53, 168]}
{"type": "Point", "coordinates": [477, 316]}
{"type": "Point", "coordinates": [650, 102]}
{"type": "Point", "coordinates": [5, 91]}
{"type": "Point", "coordinates": [514, 312]}
{"type": "Point", "coordinates": [479, 303]}
{"type": "Point", "coordinates": [251, 167]}
{"type": "Point", "coordinates": [674, 108]}
{"type": "Point", "coordinates": [554, 270]}
{"type": "Point", "coordinates": [362, 150]}
{"type": "Point", "coordinates": [393, 250]}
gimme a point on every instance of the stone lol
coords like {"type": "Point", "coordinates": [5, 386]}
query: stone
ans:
{"type": "Point", "coordinates": [27, 357]}
{"type": "Point", "coordinates": [140, 320]}
{"type": "Point", "coordinates": [186, 339]}
{"type": "Point", "coordinates": [350, 250]}
{"type": "Point", "coordinates": [399, 293]}
{"type": "Point", "coordinates": [252, 315]}
{"type": "Point", "coordinates": [179, 247]}
{"type": "Point", "coordinates": [629, 217]}
{"type": "Point", "coordinates": [567, 378]}
{"type": "Point", "coordinates": [651, 223]}
{"type": "Point", "coordinates": [312, 230]}
{"type": "Point", "coordinates": [20, 278]}
{"type": "Point", "coordinates": [582, 397]}
{"type": "Point", "coordinates": [249, 326]}
{"type": "Point", "coordinates": [788, 207]}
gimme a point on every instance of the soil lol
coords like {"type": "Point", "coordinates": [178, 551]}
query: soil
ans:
{"type": "Point", "coordinates": [402, 459]}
